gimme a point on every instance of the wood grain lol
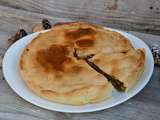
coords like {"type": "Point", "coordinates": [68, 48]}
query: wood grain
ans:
{"type": "Point", "coordinates": [137, 15]}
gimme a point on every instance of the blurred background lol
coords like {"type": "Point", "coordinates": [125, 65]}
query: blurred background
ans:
{"type": "Point", "coordinates": [133, 15]}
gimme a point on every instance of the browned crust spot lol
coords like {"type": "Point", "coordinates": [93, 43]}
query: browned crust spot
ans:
{"type": "Point", "coordinates": [74, 35]}
{"type": "Point", "coordinates": [53, 58]}
{"type": "Point", "coordinates": [76, 69]}
{"type": "Point", "coordinates": [85, 43]}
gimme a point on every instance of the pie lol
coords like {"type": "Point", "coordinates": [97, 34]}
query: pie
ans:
{"type": "Point", "coordinates": [79, 63]}
{"type": "Point", "coordinates": [126, 67]}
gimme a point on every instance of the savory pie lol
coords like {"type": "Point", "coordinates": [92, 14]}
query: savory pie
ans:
{"type": "Point", "coordinates": [77, 63]}
{"type": "Point", "coordinates": [126, 67]}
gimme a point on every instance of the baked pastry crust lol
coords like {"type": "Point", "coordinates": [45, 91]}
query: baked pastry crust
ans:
{"type": "Point", "coordinates": [126, 67]}
{"type": "Point", "coordinates": [50, 70]}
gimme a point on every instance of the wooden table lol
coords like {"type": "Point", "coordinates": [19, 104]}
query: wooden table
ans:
{"type": "Point", "coordinates": [24, 14]}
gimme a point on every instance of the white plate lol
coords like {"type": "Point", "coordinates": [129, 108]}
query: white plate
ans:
{"type": "Point", "coordinates": [12, 76]}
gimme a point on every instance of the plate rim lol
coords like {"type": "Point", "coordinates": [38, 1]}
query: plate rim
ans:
{"type": "Point", "coordinates": [78, 111]}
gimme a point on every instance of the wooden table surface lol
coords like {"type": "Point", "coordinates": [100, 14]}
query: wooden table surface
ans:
{"type": "Point", "coordinates": [140, 15]}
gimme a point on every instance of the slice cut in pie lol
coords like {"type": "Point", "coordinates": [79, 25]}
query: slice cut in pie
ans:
{"type": "Point", "coordinates": [53, 73]}
{"type": "Point", "coordinates": [126, 67]}
{"type": "Point", "coordinates": [50, 68]}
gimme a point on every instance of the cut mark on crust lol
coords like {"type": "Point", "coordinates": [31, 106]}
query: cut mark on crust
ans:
{"type": "Point", "coordinates": [114, 81]}
{"type": "Point", "coordinates": [81, 57]}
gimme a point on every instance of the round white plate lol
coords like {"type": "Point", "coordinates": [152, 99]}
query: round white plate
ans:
{"type": "Point", "coordinates": [12, 76]}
